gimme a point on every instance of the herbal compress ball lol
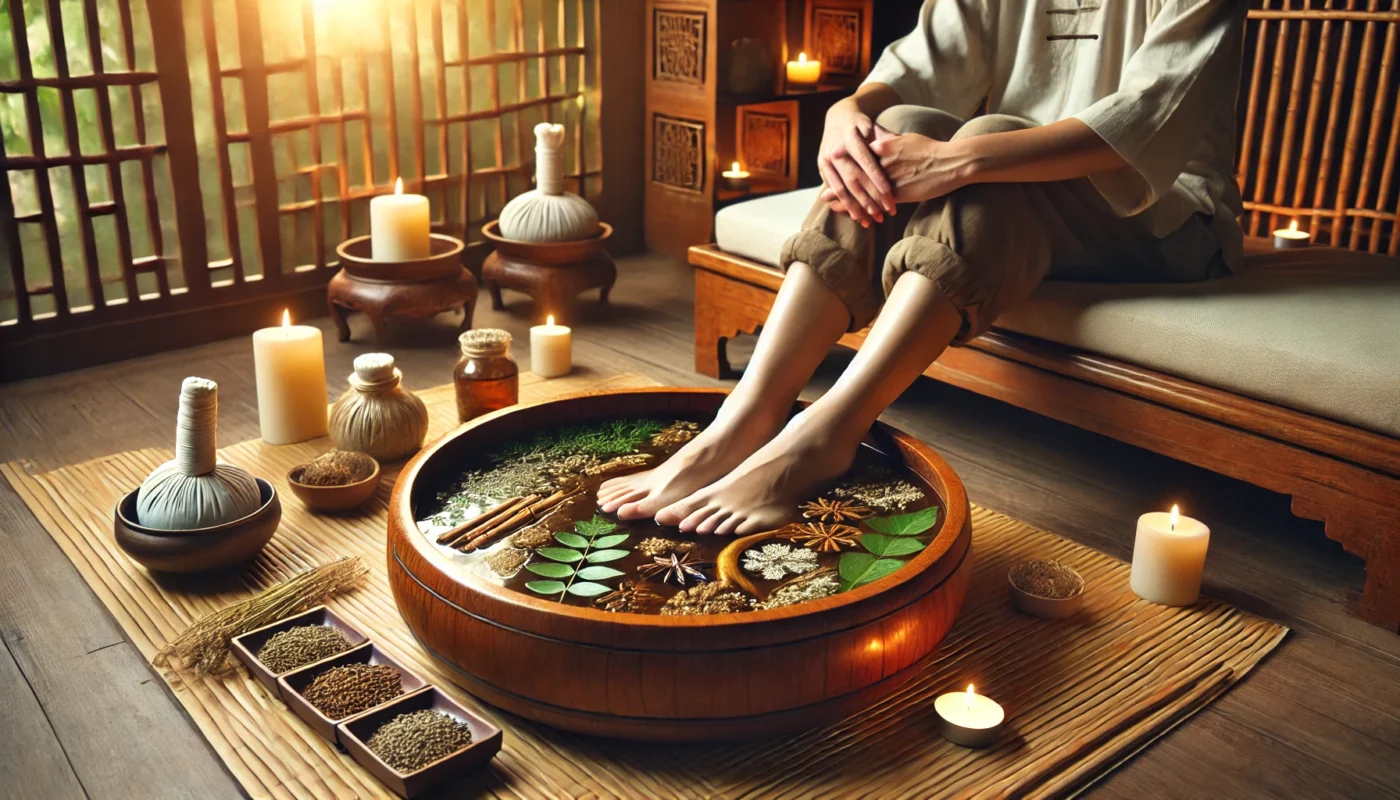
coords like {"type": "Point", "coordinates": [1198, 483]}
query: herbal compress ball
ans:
{"type": "Point", "coordinates": [193, 490]}
{"type": "Point", "coordinates": [547, 213]}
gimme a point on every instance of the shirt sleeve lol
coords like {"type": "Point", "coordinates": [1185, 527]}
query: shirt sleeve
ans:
{"type": "Point", "coordinates": [944, 62]}
{"type": "Point", "coordinates": [1173, 88]}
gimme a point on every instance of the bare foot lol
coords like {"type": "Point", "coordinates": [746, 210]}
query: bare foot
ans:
{"type": "Point", "coordinates": [762, 493]}
{"type": "Point", "coordinates": [706, 458]}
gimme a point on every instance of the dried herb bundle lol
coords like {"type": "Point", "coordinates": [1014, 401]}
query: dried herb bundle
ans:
{"type": "Point", "coordinates": [203, 646]}
{"type": "Point", "coordinates": [632, 597]}
{"type": "Point", "coordinates": [706, 598]}
{"type": "Point", "coordinates": [337, 468]}
{"type": "Point", "coordinates": [808, 586]}
{"type": "Point", "coordinates": [656, 547]}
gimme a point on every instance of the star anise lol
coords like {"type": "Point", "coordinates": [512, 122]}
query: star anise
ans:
{"type": "Point", "coordinates": [631, 597]}
{"type": "Point", "coordinates": [679, 567]}
{"type": "Point", "coordinates": [834, 510]}
{"type": "Point", "coordinates": [821, 537]}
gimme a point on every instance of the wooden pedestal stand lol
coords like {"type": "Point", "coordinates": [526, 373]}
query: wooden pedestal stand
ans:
{"type": "Point", "coordinates": [385, 290]}
{"type": "Point", "coordinates": [553, 273]}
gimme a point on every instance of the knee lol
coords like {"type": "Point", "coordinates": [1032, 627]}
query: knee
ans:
{"type": "Point", "coordinates": [991, 123]}
{"type": "Point", "coordinates": [918, 119]}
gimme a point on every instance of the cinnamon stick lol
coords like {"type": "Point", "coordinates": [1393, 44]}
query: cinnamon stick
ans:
{"type": "Point", "coordinates": [524, 515]}
{"type": "Point", "coordinates": [475, 524]}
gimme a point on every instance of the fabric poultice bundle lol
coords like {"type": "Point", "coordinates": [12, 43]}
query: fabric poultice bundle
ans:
{"type": "Point", "coordinates": [547, 213]}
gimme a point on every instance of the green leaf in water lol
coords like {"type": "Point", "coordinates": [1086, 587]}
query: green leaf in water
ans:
{"type": "Point", "coordinates": [911, 524]}
{"type": "Point", "coordinates": [545, 587]}
{"type": "Point", "coordinates": [604, 556]}
{"type": "Point", "coordinates": [610, 541]}
{"type": "Point", "coordinates": [561, 554]}
{"type": "Point", "coordinates": [596, 573]}
{"type": "Point", "coordinates": [551, 570]}
{"type": "Point", "coordinates": [882, 545]}
{"type": "Point", "coordinates": [596, 526]}
{"type": "Point", "coordinates": [572, 540]}
{"type": "Point", "coordinates": [858, 569]}
{"type": "Point", "coordinates": [588, 589]}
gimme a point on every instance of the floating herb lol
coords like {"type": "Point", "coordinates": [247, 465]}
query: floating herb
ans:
{"type": "Point", "coordinates": [675, 566]}
{"type": "Point", "coordinates": [576, 568]}
{"type": "Point", "coordinates": [834, 510]}
{"type": "Point", "coordinates": [821, 537]}
{"type": "Point", "coordinates": [894, 537]}
{"type": "Point", "coordinates": [630, 597]}
{"type": "Point", "coordinates": [776, 561]}
{"type": "Point", "coordinates": [656, 546]}
{"type": "Point", "coordinates": [611, 438]}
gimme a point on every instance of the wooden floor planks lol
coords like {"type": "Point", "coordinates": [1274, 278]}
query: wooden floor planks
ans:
{"type": "Point", "coordinates": [1317, 719]}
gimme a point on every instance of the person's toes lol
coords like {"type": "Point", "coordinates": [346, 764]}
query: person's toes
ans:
{"type": "Point", "coordinates": [729, 525]}
{"type": "Point", "coordinates": [692, 520]}
{"type": "Point", "coordinates": [612, 486]}
{"type": "Point", "coordinates": [711, 523]}
{"type": "Point", "coordinates": [633, 506]}
{"type": "Point", "coordinates": [750, 525]}
{"type": "Point", "coordinates": [619, 501]}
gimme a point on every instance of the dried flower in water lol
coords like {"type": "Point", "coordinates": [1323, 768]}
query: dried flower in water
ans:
{"type": "Point", "coordinates": [812, 585]}
{"type": "Point", "coordinates": [337, 468]}
{"type": "Point", "coordinates": [632, 597]}
{"type": "Point", "coordinates": [675, 567]}
{"type": "Point", "coordinates": [1048, 579]}
{"type": "Point", "coordinates": [507, 561]}
{"type": "Point", "coordinates": [834, 510]}
{"type": "Point", "coordinates": [656, 547]}
{"type": "Point", "coordinates": [351, 688]}
{"type": "Point", "coordinates": [410, 741]}
{"type": "Point", "coordinates": [676, 434]}
{"type": "Point", "coordinates": [299, 646]}
{"type": "Point", "coordinates": [821, 537]}
{"type": "Point", "coordinates": [776, 561]}
{"type": "Point", "coordinates": [706, 598]}
{"type": "Point", "coordinates": [886, 495]}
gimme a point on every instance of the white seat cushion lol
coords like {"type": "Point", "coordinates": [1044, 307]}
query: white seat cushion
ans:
{"type": "Point", "coordinates": [1315, 330]}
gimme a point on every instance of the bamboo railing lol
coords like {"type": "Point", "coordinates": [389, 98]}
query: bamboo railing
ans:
{"type": "Point", "coordinates": [209, 150]}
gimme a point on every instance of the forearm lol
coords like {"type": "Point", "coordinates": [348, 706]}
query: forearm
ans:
{"type": "Point", "coordinates": [871, 99]}
{"type": "Point", "coordinates": [1060, 151]}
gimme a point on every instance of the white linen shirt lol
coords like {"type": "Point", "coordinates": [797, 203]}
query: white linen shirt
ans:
{"type": "Point", "coordinates": [1156, 79]}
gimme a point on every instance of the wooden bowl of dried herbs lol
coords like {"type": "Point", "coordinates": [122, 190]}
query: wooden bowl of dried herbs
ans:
{"type": "Point", "coordinates": [1045, 589]}
{"type": "Point", "coordinates": [338, 480]}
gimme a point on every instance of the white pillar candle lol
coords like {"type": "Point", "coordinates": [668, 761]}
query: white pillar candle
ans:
{"type": "Point", "coordinates": [1290, 238]}
{"type": "Point", "coordinates": [804, 74]}
{"type": "Point", "coordinates": [551, 349]}
{"type": "Point", "coordinates": [969, 719]}
{"type": "Point", "coordinates": [1169, 557]}
{"type": "Point", "coordinates": [399, 226]}
{"type": "Point", "coordinates": [291, 374]}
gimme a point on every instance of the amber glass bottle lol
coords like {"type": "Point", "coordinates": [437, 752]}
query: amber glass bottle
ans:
{"type": "Point", "coordinates": [486, 377]}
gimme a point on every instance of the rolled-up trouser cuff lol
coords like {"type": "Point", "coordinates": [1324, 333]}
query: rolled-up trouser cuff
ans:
{"type": "Point", "coordinates": [957, 279]}
{"type": "Point", "coordinates": [839, 269]}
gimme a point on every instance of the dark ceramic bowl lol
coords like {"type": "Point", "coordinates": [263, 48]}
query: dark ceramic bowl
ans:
{"type": "Point", "coordinates": [355, 732]}
{"type": "Point", "coordinates": [292, 685]}
{"type": "Point", "coordinates": [199, 549]}
{"type": "Point", "coordinates": [333, 498]}
{"type": "Point", "coordinates": [246, 646]}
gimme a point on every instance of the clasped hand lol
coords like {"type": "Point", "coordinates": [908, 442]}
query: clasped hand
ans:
{"type": "Point", "coordinates": [866, 170]}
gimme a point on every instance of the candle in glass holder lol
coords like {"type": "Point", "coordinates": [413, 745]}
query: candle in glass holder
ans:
{"type": "Point", "coordinates": [291, 376]}
{"type": "Point", "coordinates": [1290, 238]}
{"type": "Point", "coordinates": [969, 719]}
{"type": "Point", "coordinates": [736, 179]}
{"type": "Point", "coordinates": [1169, 558]}
{"type": "Point", "coordinates": [803, 74]}
{"type": "Point", "coordinates": [399, 226]}
{"type": "Point", "coordinates": [551, 349]}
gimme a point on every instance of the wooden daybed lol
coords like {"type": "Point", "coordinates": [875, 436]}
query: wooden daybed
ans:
{"type": "Point", "coordinates": [1307, 405]}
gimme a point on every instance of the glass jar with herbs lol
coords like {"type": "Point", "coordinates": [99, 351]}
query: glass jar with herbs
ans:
{"type": "Point", "coordinates": [486, 377]}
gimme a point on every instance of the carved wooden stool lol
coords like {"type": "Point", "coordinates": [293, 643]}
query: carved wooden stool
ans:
{"type": "Point", "coordinates": [387, 290]}
{"type": "Point", "coordinates": [552, 273]}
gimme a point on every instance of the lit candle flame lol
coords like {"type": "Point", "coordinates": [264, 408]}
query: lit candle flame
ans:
{"type": "Point", "coordinates": [802, 58]}
{"type": "Point", "coordinates": [970, 695]}
{"type": "Point", "coordinates": [286, 317]}
{"type": "Point", "coordinates": [1293, 226]}
{"type": "Point", "coordinates": [549, 320]}
{"type": "Point", "coordinates": [398, 186]}
{"type": "Point", "coordinates": [736, 167]}
{"type": "Point", "coordinates": [1176, 514]}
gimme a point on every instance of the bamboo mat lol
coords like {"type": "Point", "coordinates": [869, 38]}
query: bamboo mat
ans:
{"type": "Point", "coordinates": [1082, 695]}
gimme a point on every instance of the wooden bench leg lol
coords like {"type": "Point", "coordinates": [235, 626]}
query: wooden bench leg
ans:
{"type": "Point", "coordinates": [724, 309]}
{"type": "Point", "coordinates": [1378, 543]}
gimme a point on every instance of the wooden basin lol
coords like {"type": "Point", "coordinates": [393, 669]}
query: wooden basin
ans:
{"type": "Point", "coordinates": [682, 678]}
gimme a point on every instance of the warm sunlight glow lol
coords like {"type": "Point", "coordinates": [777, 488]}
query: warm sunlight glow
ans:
{"type": "Point", "coordinates": [549, 320]}
{"type": "Point", "coordinates": [1176, 514]}
{"type": "Point", "coordinates": [970, 695]}
{"type": "Point", "coordinates": [398, 186]}
{"type": "Point", "coordinates": [286, 317]}
{"type": "Point", "coordinates": [1293, 226]}
{"type": "Point", "coordinates": [802, 58]}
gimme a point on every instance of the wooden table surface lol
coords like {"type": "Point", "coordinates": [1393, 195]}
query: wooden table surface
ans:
{"type": "Point", "coordinates": [82, 715]}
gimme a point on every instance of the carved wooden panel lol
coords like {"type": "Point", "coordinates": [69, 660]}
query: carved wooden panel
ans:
{"type": "Point", "coordinates": [765, 143]}
{"type": "Point", "coordinates": [836, 39]}
{"type": "Point", "coordinates": [678, 153]}
{"type": "Point", "coordinates": [679, 38]}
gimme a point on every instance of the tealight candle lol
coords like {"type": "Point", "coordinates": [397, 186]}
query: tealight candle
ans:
{"type": "Point", "coordinates": [551, 349]}
{"type": "Point", "coordinates": [1169, 557]}
{"type": "Point", "coordinates": [736, 179]}
{"type": "Point", "coordinates": [969, 719]}
{"type": "Point", "coordinates": [803, 74]}
{"type": "Point", "coordinates": [291, 376]}
{"type": "Point", "coordinates": [1290, 237]}
{"type": "Point", "coordinates": [399, 226]}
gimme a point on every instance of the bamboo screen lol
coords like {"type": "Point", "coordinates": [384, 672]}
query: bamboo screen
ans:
{"type": "Point", "coordinates": [1320, 121]}
{"type": "Point", "coordinates": [163, 154]}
